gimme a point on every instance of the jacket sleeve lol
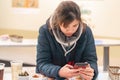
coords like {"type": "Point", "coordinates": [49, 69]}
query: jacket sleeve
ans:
{"type": "Point", "coordinates": [90, 55]}
{"type": "Point", "coordinates": [44, 62]}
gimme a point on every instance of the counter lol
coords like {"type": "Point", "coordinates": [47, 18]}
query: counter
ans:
{"type": "Point", "coordinates": [31, 70]}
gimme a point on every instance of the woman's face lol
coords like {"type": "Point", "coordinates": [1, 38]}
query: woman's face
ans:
{"type": "Point", "coordinates": [70, 29]}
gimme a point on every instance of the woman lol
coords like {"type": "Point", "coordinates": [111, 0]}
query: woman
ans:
{"type": "Point", "coordinates": [63, 41]}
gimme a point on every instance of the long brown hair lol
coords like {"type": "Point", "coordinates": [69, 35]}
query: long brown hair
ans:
{"type": "Point", "coordinates": [65, 13]}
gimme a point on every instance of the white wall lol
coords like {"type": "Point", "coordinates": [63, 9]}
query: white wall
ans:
{"type": "Point", "coordinates": [104, 15]}
{"type": "Point", "coordinates": [26, 19]}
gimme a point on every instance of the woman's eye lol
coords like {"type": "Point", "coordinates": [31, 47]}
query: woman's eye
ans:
{"type": "Point", "coordinates": [75, 25]}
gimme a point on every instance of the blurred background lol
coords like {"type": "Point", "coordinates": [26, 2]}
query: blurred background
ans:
{"type": "Point", "coordinates": [24, 17]}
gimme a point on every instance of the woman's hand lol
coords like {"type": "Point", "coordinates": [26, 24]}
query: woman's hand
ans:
{"type": "Point", "coordinates": [87, 73]}
{"type": "Point", "coordinates": [68, 71]}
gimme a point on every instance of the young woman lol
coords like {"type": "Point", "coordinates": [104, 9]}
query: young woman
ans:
{"type": "Point", "coordinates": [63, 41]}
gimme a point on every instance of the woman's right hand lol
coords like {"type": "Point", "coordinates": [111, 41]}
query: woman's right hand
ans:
{"type": "Point", "coordinates": [68, 71]}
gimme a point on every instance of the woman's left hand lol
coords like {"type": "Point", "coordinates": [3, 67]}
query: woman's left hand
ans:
{"type": "Point", "coordinates": [87, 73]}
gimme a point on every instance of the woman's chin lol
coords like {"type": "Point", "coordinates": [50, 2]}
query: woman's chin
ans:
{"type": "Point", "coordinates": [68, 35]}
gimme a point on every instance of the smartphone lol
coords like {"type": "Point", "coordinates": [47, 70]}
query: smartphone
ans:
{"type": "Point", "coordinates": [80, 65]}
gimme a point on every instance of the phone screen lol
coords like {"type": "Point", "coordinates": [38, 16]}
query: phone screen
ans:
{"type": "Point", "coordinates": [80, 65]}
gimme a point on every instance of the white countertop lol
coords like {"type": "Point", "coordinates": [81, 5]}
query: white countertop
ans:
{"type": "Point", "coordinates": [107, 42]}
{"type": "Point", "coordinates": [33, 42]}
{"type": "Point", "coordinates": [25, 42]}
{"type": "Point", "coordinates": [7, 73]}
{"type": "Point", "coordinates": [8, 76]}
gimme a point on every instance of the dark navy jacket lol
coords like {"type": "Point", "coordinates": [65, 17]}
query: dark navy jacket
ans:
{"type": "Point", "coordinates": [50, 55]}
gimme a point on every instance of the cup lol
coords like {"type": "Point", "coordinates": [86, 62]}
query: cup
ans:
{"type": "Point", "coordinates": [2, 65]}
{"type": "Point", "coordinates": [16, 68]}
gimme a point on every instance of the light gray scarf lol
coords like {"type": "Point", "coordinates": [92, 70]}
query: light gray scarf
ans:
{"type": "Point", "coordinates": [64, 40]}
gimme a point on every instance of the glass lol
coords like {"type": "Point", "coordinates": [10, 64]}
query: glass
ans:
{"type": "Point", "coordinates": [2, 65]}
{"type": "Point", "coordinates": [16, 68]}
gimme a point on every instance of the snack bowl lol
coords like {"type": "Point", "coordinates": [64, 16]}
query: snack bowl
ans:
{"type": "Point", "coordinates": [38, 77]}
{"type": "Point", "coordinates": [23, 77]}
{"type": "Point", "coordinates": [16, 38]}
{"type": "Point", "coordinates": [114, 72]}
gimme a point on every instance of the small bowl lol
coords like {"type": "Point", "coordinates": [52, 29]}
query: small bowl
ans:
{"type": "Point", "coordinates": [23, 77]}
{"type": "Point", "coordinates": [16, 38]}
{"type": "Point", "coordinates": [38, 77]}
{"type": "Point", "coordinates": [45, 78]}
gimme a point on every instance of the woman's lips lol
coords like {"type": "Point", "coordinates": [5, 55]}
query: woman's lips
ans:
{"type": "Point", "coordinates": [68, 34]}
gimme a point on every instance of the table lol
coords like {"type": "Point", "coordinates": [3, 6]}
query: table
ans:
{"type": "Point", "coordinates": [20, 50]}
{"type": "Point", "coordinates": [8, 76]}
{"type": "Point", "coordinates": [7, 73]}
{"type": "Point", "coordinates": [24, 43]}
{"type": "Point", "coordinates": [106, 43]}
